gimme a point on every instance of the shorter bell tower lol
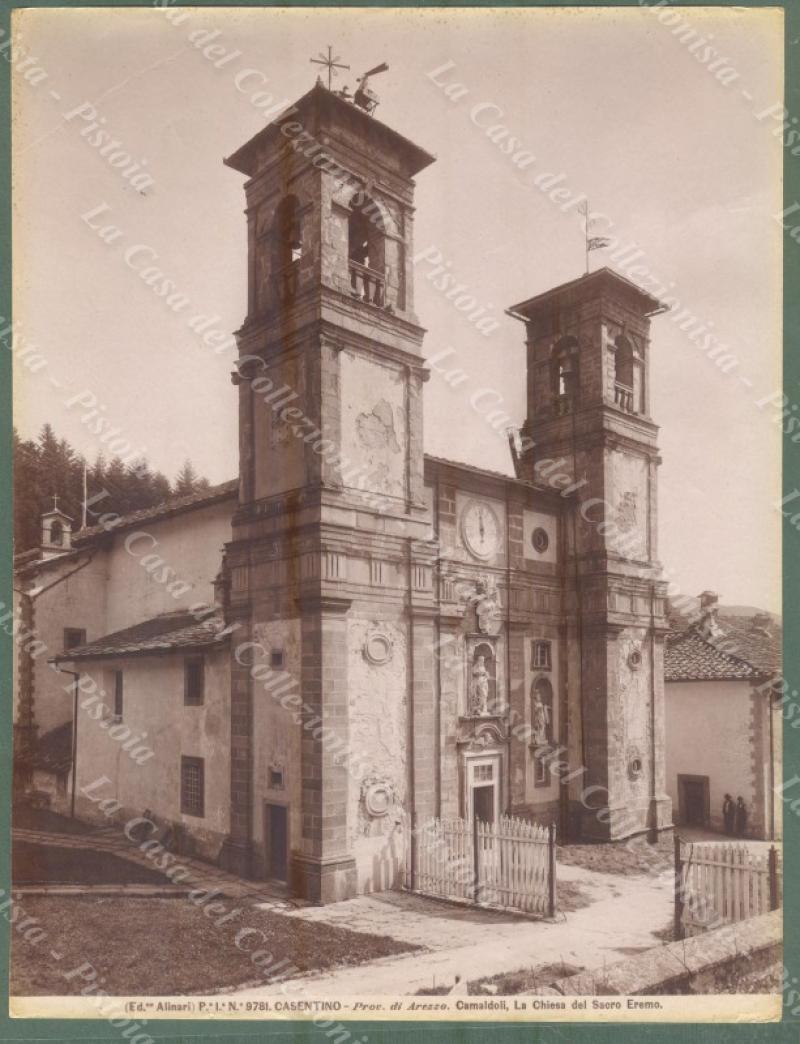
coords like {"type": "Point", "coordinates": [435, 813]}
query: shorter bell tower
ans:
{"type": "Point", "coordinates": [588, 390]}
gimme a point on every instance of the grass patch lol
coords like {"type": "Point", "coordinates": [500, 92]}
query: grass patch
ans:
{"type": "Point", "coordinates": [157, 947]}
{"type": "Point", "coordinates": [49, 864]}
{"type": "Point", "coordinates": [665, 934]}
{"type": "Point", "coordinates": [526, 980]}
{"type": "Point", "coordinates": [26, 817]}
{"type": "Point", "coordinates": [627, 858]}
{"type": "Point", "coordinates": [571, 896]}
{"type": "Point", "coordinates": [506, 984]}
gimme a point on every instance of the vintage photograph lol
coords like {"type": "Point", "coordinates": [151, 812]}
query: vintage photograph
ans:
{"type": "Point", "coordinates": [396, 609]}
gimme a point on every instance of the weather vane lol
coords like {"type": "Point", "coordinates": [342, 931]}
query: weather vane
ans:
{"type": "Point", "coordinates": [591, 242]}
{"type": "Point", "coordinates": [330, 63]}
{"type": "Point", "coordinates": [365, 97]}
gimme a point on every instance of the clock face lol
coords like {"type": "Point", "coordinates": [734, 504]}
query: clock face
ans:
{"type": "Point", "coordinates": [480, 529]}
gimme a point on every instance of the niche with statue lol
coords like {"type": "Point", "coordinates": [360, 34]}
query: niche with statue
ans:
{"type": "Point", "coordinates": [481, 685]}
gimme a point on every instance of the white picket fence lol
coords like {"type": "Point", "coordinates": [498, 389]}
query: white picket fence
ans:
{"type": "Point", "coordinates": [509, 864]}
{"type": "Point", "coordinates": [718, 884]}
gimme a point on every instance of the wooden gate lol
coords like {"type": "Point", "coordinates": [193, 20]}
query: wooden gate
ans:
{"type": "Point", "coordinates": [509, 864]}
{"type": "Point", "coordinates": [718, 884]}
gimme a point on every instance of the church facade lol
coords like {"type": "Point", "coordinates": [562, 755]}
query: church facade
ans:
{"type": "Point", "coordinates": [465, 643]}
{"type": "Point", "coordinates": [399, 636]}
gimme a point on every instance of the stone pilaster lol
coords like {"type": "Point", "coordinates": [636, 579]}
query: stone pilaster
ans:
{"type": "Point", "coordinates": [449, 666]}
{"type": "Point", "coordinates": [246, 448]}
{"type": "Point", "coordinates": [518, 751]}
{"type": "Point", "coordinates": [323, 870]}
{"type": "Point", "coordinates": [415, 378]}
{"type": "Point", "coordinates": [661, 805]}
{"type": "Point", "coordinates": [237, 850]}
{"type": "Point", "coordinates": [422, 708]}
{"type": "Point", "coordinates": [598, 736]}
{"type": "Point", "coordinates": [329, 393]}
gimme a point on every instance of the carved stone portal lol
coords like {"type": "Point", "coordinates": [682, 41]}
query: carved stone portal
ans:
{"type": "Point", "coordinates": [482, 735]}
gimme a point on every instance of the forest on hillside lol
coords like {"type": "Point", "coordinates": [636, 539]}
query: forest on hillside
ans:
{"type": "Point", "coordinates": [48, 466]}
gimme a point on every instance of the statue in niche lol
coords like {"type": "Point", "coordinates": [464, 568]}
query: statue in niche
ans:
{"type": "Point", "coordinates": [541, 712]}
{"type": "Point", "coordinates": [541, 724]}
{"type": "Point", "coordinates": [480, 687]}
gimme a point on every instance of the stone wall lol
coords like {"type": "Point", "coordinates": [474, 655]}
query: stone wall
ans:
{"type": "Point", "coordinates": [154, 709]}
{"type": "Point", "coordinates": [164, 565]}
{"type": "Point", "coordinates": [276, 735]}
{"type": "Point", "coordinates": [709, 733]}
{"type": "Point", "coordinates": [373, 425]}
{"type": "Point", "coordinates": [377, 687]}
{"type": "Point", "coordinates": [725, 960]}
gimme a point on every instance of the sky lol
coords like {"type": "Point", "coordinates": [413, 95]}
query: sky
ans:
{"type": "Point", "coordinates": [612, 104]}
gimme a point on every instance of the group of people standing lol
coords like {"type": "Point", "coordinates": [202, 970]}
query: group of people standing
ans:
{"type": "Point", "coordinates": [734, 816]}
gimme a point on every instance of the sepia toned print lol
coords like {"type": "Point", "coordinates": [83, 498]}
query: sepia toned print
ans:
{"type": "Point", "coordinates": [396, 604]}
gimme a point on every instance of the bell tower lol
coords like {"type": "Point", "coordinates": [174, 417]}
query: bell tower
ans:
{"type": "Point", "coordinates": [331, 501]}
{"type": "Point", "coordinates": [588, 392]}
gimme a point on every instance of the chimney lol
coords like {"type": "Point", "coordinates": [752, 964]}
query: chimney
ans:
{"type": "Point", "coordinates": [222, 590]}
{"type": "Point", "coordinates": [708, 624]}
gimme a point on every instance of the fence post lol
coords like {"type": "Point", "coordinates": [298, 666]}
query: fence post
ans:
{"type": "Point", "coordinates": [413, 851]}
{"type": "Point", "coordinates": [678, 926]}
{"type": "Point", "coordinates": [551, 845]}
{"type": "Point", "coordinates": [772, 863]}
{"type": "Point", "coordinates": [475, 859]}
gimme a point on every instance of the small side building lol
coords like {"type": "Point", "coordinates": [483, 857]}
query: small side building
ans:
{"type": "Point", "coordinates": [79, 587]}
{"type": "Point", "coordinates": [723, 720]}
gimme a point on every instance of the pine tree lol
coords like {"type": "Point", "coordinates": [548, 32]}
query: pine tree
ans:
{"type": "Point", "coordinates": [187, 480]}
{"type": "Point", "coordinates": [161, 488]}
{"type": "Point", "coordinates": [48, 465]}
{"type": "Point", "coordinates": [27, 509]}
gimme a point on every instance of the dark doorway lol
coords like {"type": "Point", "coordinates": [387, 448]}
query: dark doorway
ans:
{"type": "Point", "coordinates": [483, 803]}
{"type": "Point", "coordinates": [693, 796]}
{"type": "Point", "coordinates": [276, 841]}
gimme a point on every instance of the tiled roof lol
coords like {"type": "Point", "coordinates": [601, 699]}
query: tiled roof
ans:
{"type": "Point", "coordinates": [690, 657]}
{"type": "Point", "coordinates": [753, 638]}
{"type": "Point", "coordinates": [54, 750]}
{"type": "Point", "coordinates": [760, 646]}
{"type": "Point", "coordinates": [502, 476]}
{"type": "Point", "coordinates": [82, 539]}
{"type": "Point", "coordinates": [30, 565]}
{"type": "Point", "coordinates": [177, 630]}
{"type": "Point", "coordinates": [173, 506]}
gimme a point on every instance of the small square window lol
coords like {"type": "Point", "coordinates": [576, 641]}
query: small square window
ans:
{"type": "Point", "coordinates": [194, 681]}
{"type": "Point", "coordinates": [276, 779]}
{"type": "Point", "coordinates": [118, 695]}
{"type": "Point", "coordinates": [193, 787]}
{"type": "Point", "coordinates": [276, 658]}
{"type": "Point", "coordinates": [541, 761]}
{"type": "Point", "coordinates": [73, 637]}
{"type": "Point", "coordinates": [541, 656]}
{"type": "Point", "coordinates": [484, 773]}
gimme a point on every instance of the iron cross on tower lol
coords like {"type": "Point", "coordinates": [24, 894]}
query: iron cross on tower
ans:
{"type": "Point", "coordinates": [330, 63]}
